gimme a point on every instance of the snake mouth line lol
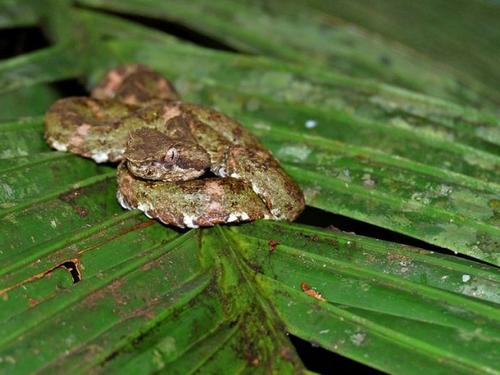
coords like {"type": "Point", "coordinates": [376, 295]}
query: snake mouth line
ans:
{"type": "Point", "coordinates": [163, 171]}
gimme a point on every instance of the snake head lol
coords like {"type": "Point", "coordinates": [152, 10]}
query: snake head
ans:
{"type": "Point", "coordinates": [153, 155]}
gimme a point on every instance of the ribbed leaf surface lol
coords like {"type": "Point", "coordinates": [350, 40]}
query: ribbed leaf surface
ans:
{"type": "Point", "coordinates": [339, 36]}
{"type": "Point", "coordinates": [86, 287]}
{"type": "Point", "coordinates": [353, 145]}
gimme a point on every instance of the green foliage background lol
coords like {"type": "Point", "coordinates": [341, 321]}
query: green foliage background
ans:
{"type": "Point", "coordinates": [405, 100]}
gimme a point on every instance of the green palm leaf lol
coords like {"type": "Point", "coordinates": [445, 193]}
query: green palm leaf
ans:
{"type": "Point", "coordinates": [88, 287]}
{"type": "Point", "coordinates": [327, 38]}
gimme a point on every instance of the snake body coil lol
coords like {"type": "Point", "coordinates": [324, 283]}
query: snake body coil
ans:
{"type": "Point", "coordinates": [166, 148]}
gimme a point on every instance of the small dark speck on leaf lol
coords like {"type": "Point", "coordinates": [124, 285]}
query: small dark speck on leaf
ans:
{"type": "Point", "coordinates": [314, 238]}
{"type": "Point", "coordinates": [71, 195]}
{"type": "Point", "coordinates": [386, 60]}
{"type": "Point", "coordinates": [272, 245]}
{"type": "Point", "coordinates": [286, 353]}
{"type": "Point", "coordinates": [81, 211]}
{"type": "Point", "coordinates": [70, 198]}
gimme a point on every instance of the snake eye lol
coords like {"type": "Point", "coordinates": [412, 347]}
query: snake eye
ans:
{"type": "Point", "coordinates": [172, 154]}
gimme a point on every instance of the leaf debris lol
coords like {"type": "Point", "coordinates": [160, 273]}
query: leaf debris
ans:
{"type": "Point", "coordinates": [311, 292]}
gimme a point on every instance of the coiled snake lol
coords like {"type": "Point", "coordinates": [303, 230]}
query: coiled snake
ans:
{"type": "Point", "coordinates": [181, 163]}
